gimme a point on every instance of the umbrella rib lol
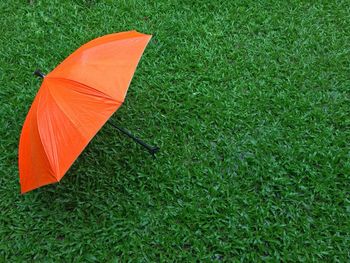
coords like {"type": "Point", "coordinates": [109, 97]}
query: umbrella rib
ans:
{"type": "Point", "coordinates": [52, 172]}
{"type": "Point", "coordinates": [70, 120]}
{"type": "Point", "coordinates": [103, 94]}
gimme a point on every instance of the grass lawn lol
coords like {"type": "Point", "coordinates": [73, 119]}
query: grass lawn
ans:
{"type": "Point", "coordinates": [250, 104]}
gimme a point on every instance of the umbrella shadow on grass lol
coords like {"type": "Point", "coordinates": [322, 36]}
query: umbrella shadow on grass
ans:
{"type": "Point", "coordinates": [108, 170]}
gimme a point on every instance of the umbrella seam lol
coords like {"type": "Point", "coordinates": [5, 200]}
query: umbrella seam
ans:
{"type": "Point", "coordinates": [68, 117]}
{"type": "Point", "coordinates": [107, 96]}
{"type": "Point", "coordinates": [41, 140]}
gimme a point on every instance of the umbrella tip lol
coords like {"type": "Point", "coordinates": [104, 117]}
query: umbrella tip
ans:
{"type": "Point", "coordinates": [38, 73]}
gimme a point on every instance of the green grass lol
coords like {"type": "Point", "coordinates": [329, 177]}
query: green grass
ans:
{"type": "Point", "coordinates": [249, 102]}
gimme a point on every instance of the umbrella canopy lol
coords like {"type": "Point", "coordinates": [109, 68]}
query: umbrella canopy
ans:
{"type": "Point", "coordinates": [73, 103]}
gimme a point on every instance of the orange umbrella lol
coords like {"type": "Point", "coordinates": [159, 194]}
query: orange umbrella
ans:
{"type": "Point", "coordinates": [73, 103]}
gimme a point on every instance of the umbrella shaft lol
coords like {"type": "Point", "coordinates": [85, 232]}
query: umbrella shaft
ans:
{"type": "Point", "coordinates": [151, 149]}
